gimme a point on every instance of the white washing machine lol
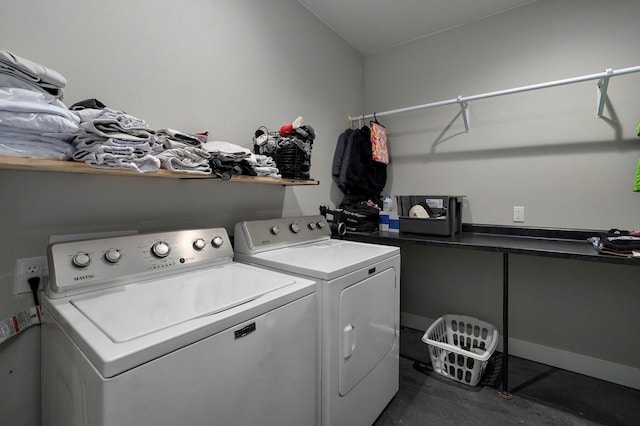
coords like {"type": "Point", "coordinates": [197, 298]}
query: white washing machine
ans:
{"type": "Point", "coordinates": [165, 329]}
{"type": "Point", "coordinates": [359, 288]}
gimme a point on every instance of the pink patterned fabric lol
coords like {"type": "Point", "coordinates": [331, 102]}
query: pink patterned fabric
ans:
{"type": "Point", "coordinates": [379, 143]}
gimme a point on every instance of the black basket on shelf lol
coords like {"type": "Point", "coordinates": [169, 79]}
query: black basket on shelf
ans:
{"type": "Point", "coordinates": [292, 161]}
{"type": "Point", "coordinates": [291, 153]}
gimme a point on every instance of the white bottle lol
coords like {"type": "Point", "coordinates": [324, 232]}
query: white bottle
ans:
{"type": "Point", "coordinates": [387, 203]}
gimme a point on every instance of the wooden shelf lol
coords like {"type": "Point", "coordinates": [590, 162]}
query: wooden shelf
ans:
{"type": "Point", "coordinates": [36, 164]}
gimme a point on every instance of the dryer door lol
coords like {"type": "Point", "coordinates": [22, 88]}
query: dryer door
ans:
{"type": "Point", "coordinates": [368, 312]}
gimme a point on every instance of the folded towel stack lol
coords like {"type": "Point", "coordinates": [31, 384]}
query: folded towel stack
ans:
{"type": "Point", "coordinates": [186, 160]}
{"type": "Point", "coordinates": [181, 152]}
{"type": "Point", "coordinates": [114, 139]}
{"type": "Point", "coordinates": [35, 124]}
{"type": "Point", "coordinates": [33, 120]}
{"type": "Point", "coordinates": [266, 166]}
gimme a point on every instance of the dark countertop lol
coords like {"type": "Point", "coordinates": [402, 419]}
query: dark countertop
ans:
{"type": "Point", "coordinates": [548, 242]}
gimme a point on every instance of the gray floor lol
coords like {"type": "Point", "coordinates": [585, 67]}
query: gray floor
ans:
{"type": "Point", "coordinates": [541, 395]}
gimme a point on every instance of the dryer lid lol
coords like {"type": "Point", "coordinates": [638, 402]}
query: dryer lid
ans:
{"type": "Point", "coordinates": [326, 260]}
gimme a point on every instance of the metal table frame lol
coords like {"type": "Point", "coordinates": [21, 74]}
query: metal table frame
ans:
{"type": "Point", "coordinates": [547, 242]}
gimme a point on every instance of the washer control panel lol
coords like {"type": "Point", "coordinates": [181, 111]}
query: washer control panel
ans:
{"type": "Point", "coordinates": [260, 235]}
{"type": "Point", "coordinates": [79, 266]}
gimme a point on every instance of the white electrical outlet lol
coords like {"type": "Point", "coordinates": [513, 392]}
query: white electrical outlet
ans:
{"type": "Point", "coordinates": [28, 268]}
{"type": "Point", "coordinates": [518, 213]}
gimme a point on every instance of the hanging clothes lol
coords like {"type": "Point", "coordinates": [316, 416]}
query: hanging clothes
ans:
{"type": "Point", "coordinates": [354, 169]}
{"type": "Point", "coordinates": [379, 142]}
{"type": "Point", "coordinates": [636, 181]}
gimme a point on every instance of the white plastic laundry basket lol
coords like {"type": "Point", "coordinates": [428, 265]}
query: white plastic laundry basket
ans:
{"type": "Point", "coordinates": [460, 347]}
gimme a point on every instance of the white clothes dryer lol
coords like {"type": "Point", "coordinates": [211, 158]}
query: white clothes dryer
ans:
{"type": "Point", "coordinates": [359, 288]}
{"type": "Point", "coordinates": [165, 329]}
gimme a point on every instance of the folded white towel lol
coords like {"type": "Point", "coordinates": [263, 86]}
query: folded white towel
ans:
{"type": "Point", "coordinates": [87, 114]}
{"type": "Point", "coordinates": [173, 137]}
{"type": "Point", "coordinates": [38, 122]}
{"type": "Point", "coordinates": [27, 144]}
{"type": "Point", "coordinates": [109, 128]}
{"type": "Point", "coordinates": [125, 121]}
{"type": "Point", "coordinates": [267, 171]}
{"type": "Point", "coordinates": [186, 160]}
{"type": "Point", "coordinates": [145, 164]}
{"type": "Point", "coordinates": [23, 100]}
{"type": "Point", "coordinates": [87, 147]}
{"type": "Point", "coordinates": [226, 150]}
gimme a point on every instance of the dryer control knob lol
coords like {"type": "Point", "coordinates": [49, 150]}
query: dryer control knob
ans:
{"type": "Point", "coordinates": [275, 229]}
{"type": "Point", "coordinates": [81, 259]}
{"type": "Point", "coordinates": [112, 255]}
{"type": "Point", "coordinates": [321, 225]}
{"type": "Point", "coordinates": [295, 228]}
{"type": "Point", "coordinates": [312, 225]}
{"type": "Point", "coordinates": [217, 241]}
{"type": "Point", "coordinates": [160, 249]}
{"type": "Point", "coordinates": [199, 244]}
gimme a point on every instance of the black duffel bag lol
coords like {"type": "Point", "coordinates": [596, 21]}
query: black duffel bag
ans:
{"type": "Point", "coordinates": [360, 215]}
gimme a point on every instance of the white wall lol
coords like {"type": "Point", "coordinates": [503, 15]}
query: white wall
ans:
{"type": "Point", "coordinates": [544, 150]}
{"type": "Point", "coordinates": [226, 66]}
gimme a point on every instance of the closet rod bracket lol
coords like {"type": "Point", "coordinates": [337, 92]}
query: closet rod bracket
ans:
{"type": "Point", "coordinates": [464, 110]}
{"type": "Point", "coordinates": [601, 93]}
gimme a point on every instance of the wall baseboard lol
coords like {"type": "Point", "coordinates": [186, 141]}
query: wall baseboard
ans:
{"type": "Point", "coordinates": [592, 367]}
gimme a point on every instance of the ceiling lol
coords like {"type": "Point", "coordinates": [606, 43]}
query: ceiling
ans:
{"type": "Point", "coordinates": [374, 25]}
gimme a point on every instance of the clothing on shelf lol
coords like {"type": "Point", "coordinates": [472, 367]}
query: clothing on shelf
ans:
{"type": "Point", "coordinates": [16, 71]}
{"type": "Point", "coordinates": [35, 124]}
{"type": "Point", "coordinates": [229, 159]}
{"type": "Point", "coordinates": [170, 138]}
{"type": "Point", "coordinates": [189, 159]}
{"type": "Point", "coordinates": [113, 139]}
{"type": "Point", "coordinates": [266, 166]}
{"type": "Point", "coordinates": [181, 152]}
{"type": "Point", "coordinates": [33, 145]}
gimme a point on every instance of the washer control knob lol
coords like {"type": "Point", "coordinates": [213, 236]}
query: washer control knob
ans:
{"type": "Point", "coordinates": [217, 241]}
{"type": "Point", "coordinates": [199, 244]}
{"type": "Point", "coordinates": [81, 259]}
{"type": "Point", "coordinates": [112, 255]}
{"type": "Point", "coordinates": [312, 225]}
{"type": "Point", "coordinates": [160, 249]}
{"type": "Point", "coordinates": [295, 228]}
{"type": "Point", "coordinates": [321, 225]}
{"type": "Point", "coordinates": [275, 229]}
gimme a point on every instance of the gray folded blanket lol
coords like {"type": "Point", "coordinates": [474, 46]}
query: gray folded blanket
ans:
{"type": "Point", "coordinates": [110, 123]}
{"type": "Point", "coordinates": [14, 67]}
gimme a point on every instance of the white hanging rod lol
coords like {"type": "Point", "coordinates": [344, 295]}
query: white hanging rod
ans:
{"type": "Point", "coordinates": [462, 100]}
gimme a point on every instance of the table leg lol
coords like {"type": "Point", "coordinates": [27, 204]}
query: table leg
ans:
{"type": "Point", "coordinates": [505, 327]}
